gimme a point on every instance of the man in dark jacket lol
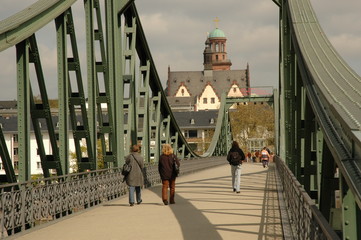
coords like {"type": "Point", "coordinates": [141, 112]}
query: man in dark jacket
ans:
{"type": "Point", "coordinates": [235, 158]}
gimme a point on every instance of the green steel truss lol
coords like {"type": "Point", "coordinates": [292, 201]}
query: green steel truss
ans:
{"type": "Point", "coordinates": [319, 121]}
{"type": "Point", "coordinates": [124, 104]}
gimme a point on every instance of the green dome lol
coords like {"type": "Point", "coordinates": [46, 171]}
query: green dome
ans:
{"type": "Point", "coordinates": [217, 33]}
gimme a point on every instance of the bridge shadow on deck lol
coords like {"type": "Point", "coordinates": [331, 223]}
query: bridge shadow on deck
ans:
{"type": "Point", "coordinates": [208, 209]}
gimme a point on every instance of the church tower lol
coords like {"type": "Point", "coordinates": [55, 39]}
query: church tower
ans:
{"type": "Point", "coordinates": [215, 55]}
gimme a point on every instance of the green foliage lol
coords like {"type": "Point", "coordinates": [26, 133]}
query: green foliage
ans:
{"type": "Point", "coordinates": [100, 161]}
{"type": "Point", "coordinates": [252, 120]}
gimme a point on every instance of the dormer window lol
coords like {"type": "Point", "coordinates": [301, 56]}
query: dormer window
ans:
{"type": "Point", "coordinates": [192, 121]}
{"type": "Point", "coordinates": [174, 79]}
{"type": "Point", "coordinates": [188, 79]}
{"type": "Point", "coordinates": [211, 121]}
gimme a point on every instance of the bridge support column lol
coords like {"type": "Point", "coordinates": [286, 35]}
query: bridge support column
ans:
{"type": "Point", "coordinates": [350, 217]}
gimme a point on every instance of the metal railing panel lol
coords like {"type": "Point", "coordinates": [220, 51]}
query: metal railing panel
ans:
{"type": "Point", "coordinates": [306, 220]}
{"type": "Point", "coordinates": [30, 204]}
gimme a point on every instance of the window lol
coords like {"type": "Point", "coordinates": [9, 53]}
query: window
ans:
{"type": "Point", "coordinates": [217, 57]}
{"type": "Point", "coordinates": [211, 121]}
{"type": "Point", "coordinates": [234, 89]}
{"type": "Point", "coordinates": [16, 151]}
{"type": "Point", "coordinates": [182, 91]}
{"type": "Point", "coordinates": [204, 100]}
{"type": "Point", "coordinates": [16, 138]}
{"type": "Point", "coordinates": [192, 121]}
{"type": "Point", "coordinates": [192, 133]}
{"type": "Point", "coordinates": [16, 165]}
{"type": "Point", "coordinates": [213, 100]}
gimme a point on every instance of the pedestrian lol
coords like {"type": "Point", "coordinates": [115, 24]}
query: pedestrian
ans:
{"type": "Point", "coordinates": [253, 157]}
{"type": "Point", "coordinates": [135, 179]}
{"type": "Point", "coordinates": [265, 156]}
{"type": "Point", "coordinates": [167, 173]}
{"type": "Point", "coordinates": [257, 155]}
{"type": "Point", "coordinates": [235, 158]}
{"type": "Point", "coordinates": [249, 157]}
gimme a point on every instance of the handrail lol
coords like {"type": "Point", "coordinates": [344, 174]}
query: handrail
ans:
{"type": "Point", "coordinates": [307, 222]}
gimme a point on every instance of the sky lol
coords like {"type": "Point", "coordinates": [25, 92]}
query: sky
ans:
{"type": "Point", "coordinates": [176, 32]}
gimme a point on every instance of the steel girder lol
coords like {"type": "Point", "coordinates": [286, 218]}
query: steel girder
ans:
{"type": "Point", "coordinates": [318, 105]}
{"type": "Point", "coordinates": [125, 105]}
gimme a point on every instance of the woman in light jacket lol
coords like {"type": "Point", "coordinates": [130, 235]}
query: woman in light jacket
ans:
{"type": "Point", "coordinates": [135, 178]}
{"type": "Point", "coordinates": [167, 173]}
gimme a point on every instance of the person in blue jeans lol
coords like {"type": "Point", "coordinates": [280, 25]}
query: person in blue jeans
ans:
{"type": "Point", "coordinates": [135, 179]}
{"type": "Point", "coordinates": [235, 158]}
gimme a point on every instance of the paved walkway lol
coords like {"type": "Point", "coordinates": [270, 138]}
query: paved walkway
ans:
{"type": "Point", "coordinates": [206, 208]}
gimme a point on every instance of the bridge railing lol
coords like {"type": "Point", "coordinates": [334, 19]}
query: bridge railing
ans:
{"type": "Point", "coordinates": [30, 204]}
{"type": "Point", "coordinates": [306, 221]}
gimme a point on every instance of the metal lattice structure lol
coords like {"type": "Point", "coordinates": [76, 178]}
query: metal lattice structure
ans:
{"type": "Point", "coordinates": [320, 117]}
{"type": "Point", "coordinates": [124, 103]}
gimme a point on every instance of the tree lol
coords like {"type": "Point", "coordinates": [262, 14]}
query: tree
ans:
{"type": "Point", "coordinates": [83, 149]}
{"type": "Point", "coordinates": [252, 120]}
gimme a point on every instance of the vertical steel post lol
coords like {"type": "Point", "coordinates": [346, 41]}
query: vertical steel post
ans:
{"type": "Point", "coordinates": [23, 108]}
{"type": "Point", "coordinates": [63, 91]}
{"type": "Point", "coordinates": [89, 17]}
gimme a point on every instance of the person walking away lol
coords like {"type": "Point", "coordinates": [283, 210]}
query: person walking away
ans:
{"type": "Point", "coordinates": [265, 157]}
{"type": "Point", "coordinates": [249, 157]}
{"type": "Point", "coordinates": [253, 157]}
{"type": "Point", "coordinates": [135, 179]}
{"type": "Point", "coordinates": [257, 153]}
{"type": "Point", "coordinates": [235, 157]}
{"type": "Point", "coordinates": [167, 173]}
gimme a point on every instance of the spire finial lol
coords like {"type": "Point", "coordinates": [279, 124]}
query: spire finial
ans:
{"type": "Point", "coordinates": [216, 20]}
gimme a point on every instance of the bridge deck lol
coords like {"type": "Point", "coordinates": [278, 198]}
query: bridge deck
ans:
{"type": "Point", "coordinates": [206, 208]}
